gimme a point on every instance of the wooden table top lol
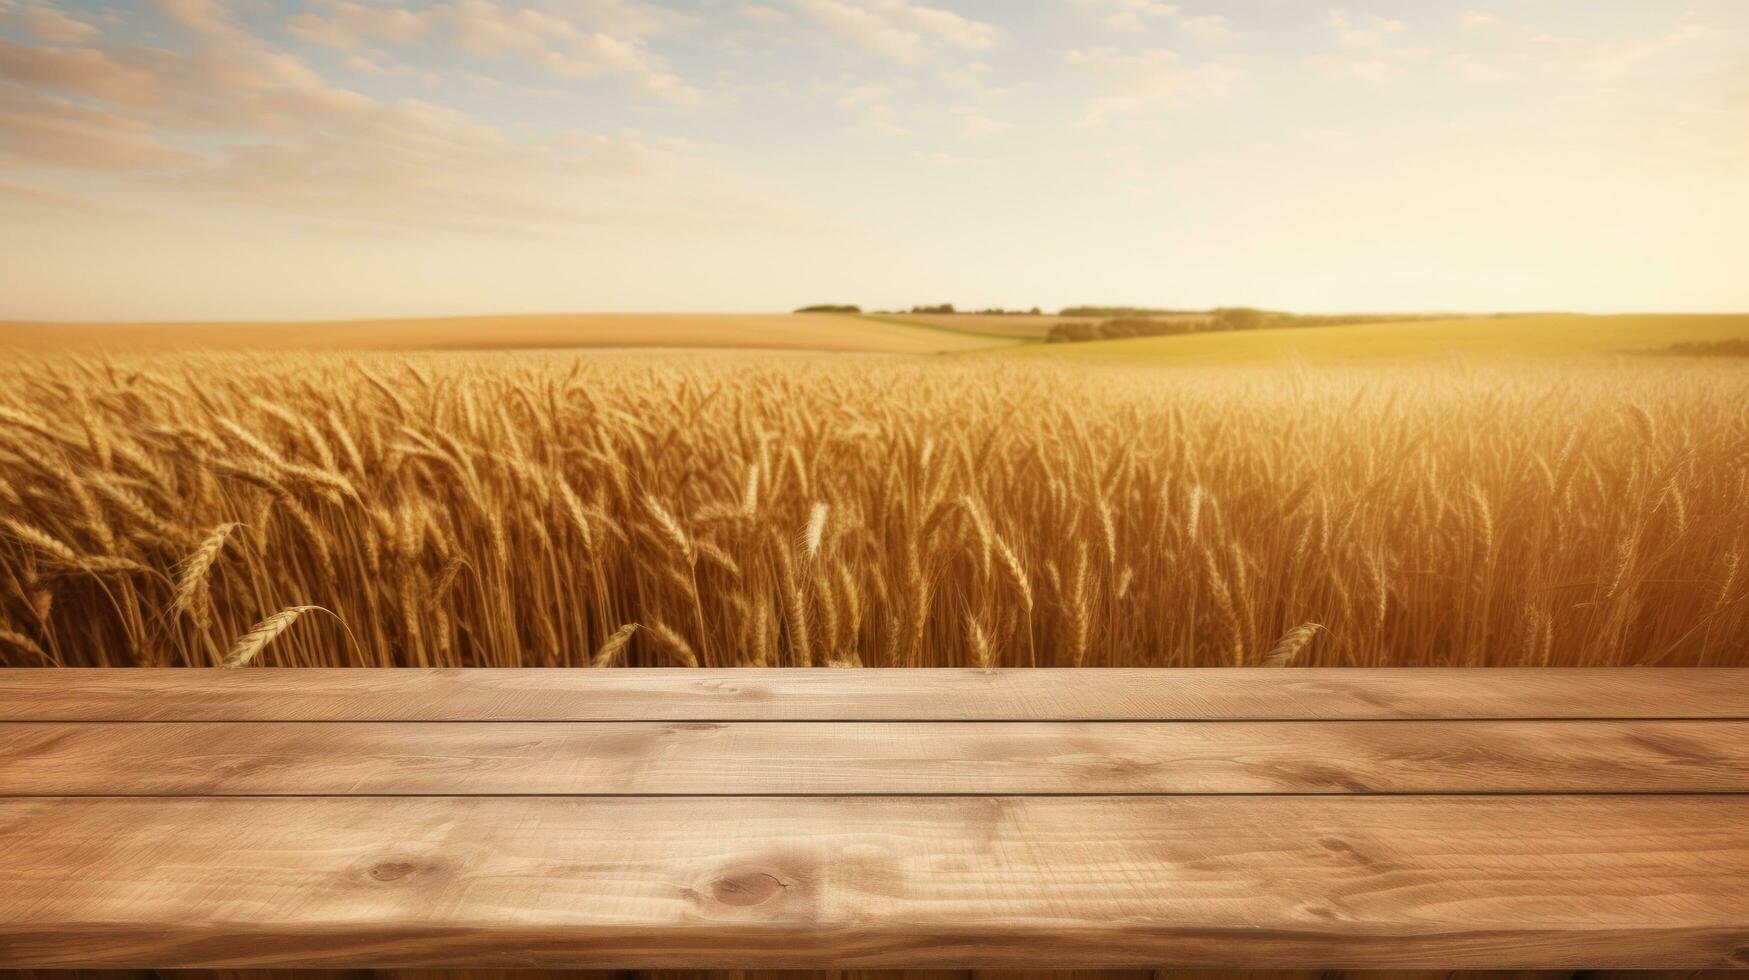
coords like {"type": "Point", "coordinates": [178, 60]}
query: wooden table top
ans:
{"type": "Point", "coordinates": [1412, 818]}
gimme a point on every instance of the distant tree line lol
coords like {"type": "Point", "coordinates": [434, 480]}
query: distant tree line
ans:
{"type": "Point", "coordinates": [1226, 318]}
{"type": "Point", "coordinates": [940, 309]}
{"type": "Point", "coordinates": [936, 309]}
{"type": "Point", "coordinates": [1118, 322]}
{"type": "Point", "coordinates": [1114, 312]}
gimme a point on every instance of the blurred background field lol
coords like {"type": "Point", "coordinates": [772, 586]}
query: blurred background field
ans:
{"type": "Point", "coordinates": [905, 333]}
{"type": "Point", "coordinates": [514, 332]}
{"type": "Point", "coordinates": [1540, 335]}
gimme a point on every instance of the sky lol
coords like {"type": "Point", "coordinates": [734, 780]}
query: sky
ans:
{"type": "Point", "coordinates": [269, 159]}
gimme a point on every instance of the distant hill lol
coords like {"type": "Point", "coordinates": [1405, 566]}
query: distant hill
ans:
{"type": "Point", "coordinates": [1107, 312]}
{"type": "Point", "coordinates": [1482, 336]}
{"type": "Point", "coordinates": [780, 331]}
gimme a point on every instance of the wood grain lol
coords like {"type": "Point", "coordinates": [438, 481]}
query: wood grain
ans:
{"type": "Point", "coordinates": [1037, 973]}
{"type": "Point", "coordinates": [941, 819]}
{"type": "Point", "coordinates": [347, 694]}
{"type": "Point", "coordinates": [1549, 882]}
{"type": "Point", "coordinates": [752, 758]}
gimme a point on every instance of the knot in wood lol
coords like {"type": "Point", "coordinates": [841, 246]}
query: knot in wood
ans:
{"type": "Point", "coordinates": [392, 870]}
{"type": "Point", "coordinates": [748, 888]}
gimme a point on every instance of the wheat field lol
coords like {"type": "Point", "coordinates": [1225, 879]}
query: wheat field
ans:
{"type": "Point", "coordinates": [716, 509]}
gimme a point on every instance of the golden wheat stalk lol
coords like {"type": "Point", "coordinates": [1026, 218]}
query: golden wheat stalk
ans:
{"type": "Point", "coordinates": [750, 492]}
{"type": "Point", "coordinates": [1292, 643]}
{"type": "Point", "coordinates": [250, 644]}
{"type": "Point", "coordinates": [612, 651]}
{"type": "Point", "coordinates": [574, 510]}
{"type": "Point", "coordinates": [1017, 576]}
{"type": "Point", "coordinates": [23, 642]}
{"type": "Point", "coordinates": [191, 579]}
{"type": "Point", "coordinates": [675, 643]}
{"type": "Point", "coordinates": [812, 534]}
{"type": "Point", "coordinates": [29, 423]}
{"type": "Point", "coordinates": [670, 528]}
{"type": "Point", "coordinates": [43, 541]}
{"type": "Point", "coordinates": [100, 565]}
{"type": "Point", "coordinates": [979, 641]}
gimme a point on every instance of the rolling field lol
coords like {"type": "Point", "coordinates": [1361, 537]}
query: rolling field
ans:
{"type": "Point", "coordinates": [722, 508]}
{"type": "Point", "coordinates": [555, 332]}
{"type": "Point", "coordinates": [1012, 327]}
{"type": "Point", "coordinates": [1558, 334]}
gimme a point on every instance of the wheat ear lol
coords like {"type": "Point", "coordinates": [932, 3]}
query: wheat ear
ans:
{"type": "Point", "coordinates": [191, 581]}
{"type": "Point", "coordinates": [814, 532]}
{"type": "Point", "coordinates": [675, 643]}
{"type": "Point", "coordinates": [1292, 643]}
{"type": "Point", "coordinates": [671, 528]}
{"type": "Point", "coordinates": [22, 642]}
{"type": "Point", "coordinates": [610, 650]}
{"type": "Point", "coordinates": [250, 644]}
{"type": "Point", "coordinates": [43, 541]}
{"type": "Point", "coordinates": [980, 644]}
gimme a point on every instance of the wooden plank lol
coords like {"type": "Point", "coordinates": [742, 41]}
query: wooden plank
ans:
{"type": "Point", "coordinates": [1032, 974]}
{"type": "Point", "coordinates": [753, 758]}
{"type": "Point", "coordinates": [344, 694]}
{"type": "Point", "coordinates": [1356, 881]}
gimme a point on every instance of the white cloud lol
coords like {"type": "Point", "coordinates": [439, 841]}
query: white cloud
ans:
{"type": "Point", "coordinates": [312, 152]}
{"type": "Point", "coordinates": [623, 17]}
{"type": "Point", "coordinates": [1475, 20]}
{"type": "Point", "coordinates": [15, 194]}
{"type": "Point", "coordinates": [42, 130]}
{"type": "Point", "coordinates": [1136, 15]}
{"type": "Point", "coordinates": [1609, 59]}
{"type": "Point", "coordinates": [203, 18]}
{"type": "Point", "coordinates": [1476, 70]}
{"type": "Point", "coordinates": [87, 72]}
{"type": "Point", "coordinates": [1129, 15]}
{"type": "Point", "coordinates": [1209, 29]}
{"type": "Point", "coordinates": [1369, 31]}
{"type": "Point", "coordinates": [1154, 80]}
{"type": "Point", "coordinates": [412, 164]}
{"type": "Point", "coordinates": [1368, 49]}
{"type": "Point", "coordinates": [585, 39]}
{"type": "Point", "coordinates": [1501, 48]}
{"type": "Point", "coordinates": [881, 120]}
{"type": "Point", "coordinates": [350, 26]}
{"type": "Point", "coordinates": [1374, 70]}
{"type": "Point", "coordinates": [763, 13]}
{"type": "Point", "coordinates": [365, 63]}
{"type": "Point", "coordinates": [975, 124]}
{"type": "Point", "coordinates": [865, 93]}
{"type": "Point", "coordinates": [939, 158]}
{"type": "Point", "coordinates": [898, 29]}
{"type": "Point", "coordinates": [46, 22]}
